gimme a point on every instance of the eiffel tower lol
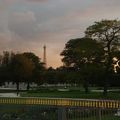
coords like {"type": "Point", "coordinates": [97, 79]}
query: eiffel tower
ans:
{"type": "Point", "coordinates": [44, 56]}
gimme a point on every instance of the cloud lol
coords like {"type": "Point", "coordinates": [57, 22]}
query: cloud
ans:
{"type": "Point", "coordinates": [28, 23]}
{"type": "Point", "coordinates": [37, 0]}
{"type": "Point", "coordinates": [23, 24]}
{"type": "Point", "coordinates": [4, 41]}
{"type": "Point", "coordinates": [5, 4]}
{"type": "Point", "coordinates": [23, 16]}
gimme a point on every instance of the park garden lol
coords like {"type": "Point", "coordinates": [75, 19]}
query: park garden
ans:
{"type": "Point", "coordinates": [91, 67]}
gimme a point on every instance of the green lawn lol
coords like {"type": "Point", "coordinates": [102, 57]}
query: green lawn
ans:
{"type": "Point", "coordinates": [70, 94]}
{"type": "Point", "coordinates": [103, 118]}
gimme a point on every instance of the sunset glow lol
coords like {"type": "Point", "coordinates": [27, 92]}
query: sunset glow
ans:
{"type": "Point", "coordinates": [26, 25]}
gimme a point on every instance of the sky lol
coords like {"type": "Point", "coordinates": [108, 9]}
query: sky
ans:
{"type": "Point", "coordinates": [28, 25]}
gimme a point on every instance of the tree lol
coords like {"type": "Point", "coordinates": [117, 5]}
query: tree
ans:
{"type": "Point", "coordinates": [80, 54]}
{"type": "Point", "coordinates": [68, 75]}
{"type": "Point", "coordinates": [50, 76]}
{"type": "Point", "coordinates": [108, 33]}
{"type": "Point", "coordinates": [115, 81]}
{"type": "Point", "coordinates": [81, 50]}
{"type": "Point", "coordinates": [1, 71]}
{"type": "Point", "coordinates": [21, 69]}
{"type": "Point", "coordinates": [38, 68]}
{"type": "Point", "coordinates": [5, 61]}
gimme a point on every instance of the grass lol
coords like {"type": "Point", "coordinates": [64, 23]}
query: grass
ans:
{"type": "Point", "coordinates": [103, 118]}
{"type": "Point", "coordinates": [70, 94]}
{"type": "Point", "coordinates": [74, 92]}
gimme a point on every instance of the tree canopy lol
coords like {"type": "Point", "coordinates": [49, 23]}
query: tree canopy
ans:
{"type": "Point", "coordinates": [20, 67]}
{"type": "Point", "coordinates": [108, 33]}
{"type": "Point", "coordinates": [81, 50]}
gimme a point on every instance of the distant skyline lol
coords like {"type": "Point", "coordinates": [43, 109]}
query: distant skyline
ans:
{"type": "Point", "coordinates": [28, 25]}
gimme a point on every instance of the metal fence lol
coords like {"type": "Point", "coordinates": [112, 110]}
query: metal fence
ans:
{"type": "Point", "coordinates": [58, 109]}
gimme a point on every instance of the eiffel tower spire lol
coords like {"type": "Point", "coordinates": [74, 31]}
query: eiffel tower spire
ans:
{"type": "Point", "coordinates": [44, 56]}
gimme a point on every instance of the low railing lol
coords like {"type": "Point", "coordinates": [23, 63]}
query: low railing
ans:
{"type": "Point", "coordinates": [68, 102]}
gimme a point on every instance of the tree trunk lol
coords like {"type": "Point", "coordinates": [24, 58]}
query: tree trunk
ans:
{"type": "Point", "coordinates": [17, 83]}
{"type": "Point", "coordinates": [105, 90]}
{"type": "Point", "coordinates": [86, 87]}
{"type": "Point", "coordinates": [108, 69]}
{"type": "Point", "coordinates": [28, 86]}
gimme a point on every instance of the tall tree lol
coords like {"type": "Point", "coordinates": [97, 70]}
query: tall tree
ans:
{"type": "Point", "coordinates": [108, 33]}
{"type": "Point", "coordinates": [5, 61]}
{"type": "Point", "coordinates": [38, 68]}
{"type": "Point", "coordinates": [21, 69]}
{"type": "Point", "coordinates": [81, 50]}
{"type": "Point", "coordinates": [80, 54]}
{"type": "Point", "coordinates": [1, 72]}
